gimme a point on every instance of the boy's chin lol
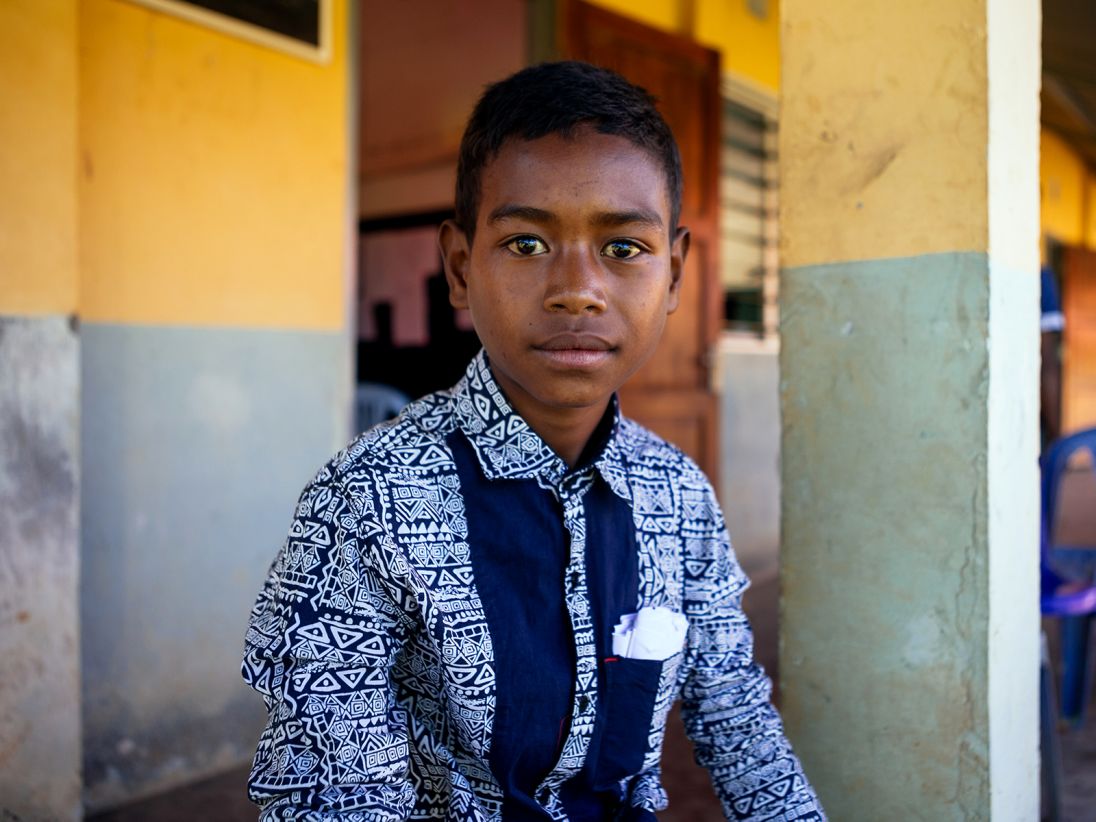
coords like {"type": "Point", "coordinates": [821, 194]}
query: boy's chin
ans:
{"type": "Point", "coordinates": [531, 387]}
{"type": "Point", "coordinates": [573, 395]}
{"type": "Point", "coordinates": [577, 400]}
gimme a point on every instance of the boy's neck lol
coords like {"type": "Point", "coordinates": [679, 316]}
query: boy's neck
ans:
{"type": "Point", "coordinates": [567, 431]}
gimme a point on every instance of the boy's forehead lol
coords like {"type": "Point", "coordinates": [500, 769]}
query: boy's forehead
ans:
{"type": "Point", "coordinates": [584, 166]}
{"type": "Point", "coordinates": [563, 148]}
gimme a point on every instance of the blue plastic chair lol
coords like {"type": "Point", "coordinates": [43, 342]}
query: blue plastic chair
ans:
{"type": "Point", "coordinates": [1075, 607]}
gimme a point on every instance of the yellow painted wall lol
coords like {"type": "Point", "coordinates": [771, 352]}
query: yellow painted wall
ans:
{"type": "Point", "coordinates": [749, 46]}
{"type": "Point", "coordinates": [212, 177]}
{"type": "Point", "coordinates": [1062, 189]}
{"type": "Point", "coordinates": [667, 15]}
{"type": "Point", "coordinates": [38, 160]}
{"type": "Point", "coordinates": [886, 177]}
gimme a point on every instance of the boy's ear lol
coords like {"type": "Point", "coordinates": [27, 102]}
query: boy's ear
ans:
{"type": "Point", "coordinates": [455, 255]}
{"type": "Point", "coordinates": [678, 249]}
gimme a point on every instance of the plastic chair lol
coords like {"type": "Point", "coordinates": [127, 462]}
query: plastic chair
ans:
{"type": "Point", "coordinates": [1073, 604]}
{"type": "Point", "coordinates": [374, 403]}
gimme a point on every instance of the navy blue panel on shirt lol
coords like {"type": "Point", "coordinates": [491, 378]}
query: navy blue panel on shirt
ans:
{"type": "Point", "coordinates": [612, 566]}
{"type": "Point", "coordinates": [519, 553]}
{"type": "Point", "coordinates": [519, 547]}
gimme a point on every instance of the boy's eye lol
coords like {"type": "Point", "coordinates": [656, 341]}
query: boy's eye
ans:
{"type": "Point", "coordinates": [527, 246]}
{"type": "Point", "coordinates": [621, 249]}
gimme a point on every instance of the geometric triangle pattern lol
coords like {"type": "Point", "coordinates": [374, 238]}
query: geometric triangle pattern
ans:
{"type": "Point", "coordinates": [370, 646]}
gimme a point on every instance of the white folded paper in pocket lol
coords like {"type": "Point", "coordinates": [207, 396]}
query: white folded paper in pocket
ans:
{"type": "Point", "coordinates": [652, 633]}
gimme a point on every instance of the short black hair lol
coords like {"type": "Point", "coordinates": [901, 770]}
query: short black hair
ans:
{"type": "Point", "coordinates": [558, 98]}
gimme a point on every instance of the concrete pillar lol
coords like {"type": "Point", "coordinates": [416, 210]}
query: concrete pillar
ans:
{"type": "Point", "coordinates": [909, 191]}
{"type": "Point", "coordinates": [39, 406]}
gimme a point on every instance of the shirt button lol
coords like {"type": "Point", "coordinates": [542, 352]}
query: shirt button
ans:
{"type": "Point", "coordinates": [583, 704]}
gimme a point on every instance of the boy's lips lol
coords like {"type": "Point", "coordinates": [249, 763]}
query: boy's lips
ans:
{"type": "Point", "coordinates": [576, 350]}
{"type": "Point", "coordinates": [573, 341]}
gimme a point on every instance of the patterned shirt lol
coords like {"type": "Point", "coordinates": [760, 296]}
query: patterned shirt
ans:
{"type": "Point", "coordinates": [372, 647]}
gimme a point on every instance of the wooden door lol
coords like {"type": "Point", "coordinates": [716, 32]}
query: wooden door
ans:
{"type": "Point", "coordinates": [1078, 339]}
{"type": "Point", "coordinates": [671, 395]}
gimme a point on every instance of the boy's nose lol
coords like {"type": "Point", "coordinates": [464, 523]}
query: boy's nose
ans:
{"type": "Point", "coordinates": [576, 286]}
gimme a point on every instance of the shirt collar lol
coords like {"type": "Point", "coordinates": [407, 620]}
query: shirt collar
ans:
{"type": "Point", "coordinates": [505, 445]}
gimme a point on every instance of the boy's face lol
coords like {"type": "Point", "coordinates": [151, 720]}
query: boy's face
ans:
{"type": "Point", "coordinates": [573, 270]}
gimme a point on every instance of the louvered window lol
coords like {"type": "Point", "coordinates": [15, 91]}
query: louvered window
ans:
{"type": "Point", "coordinates": [748, 219]}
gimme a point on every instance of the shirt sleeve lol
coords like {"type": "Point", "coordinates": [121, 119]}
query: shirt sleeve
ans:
{"type": "Point", "coordinates": [321, 642]}
{"type": "Point", "coordinates": [736, 732]}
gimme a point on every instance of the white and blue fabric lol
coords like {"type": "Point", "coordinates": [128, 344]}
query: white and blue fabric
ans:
{"type": "Point", "coordinates": [397, 651]}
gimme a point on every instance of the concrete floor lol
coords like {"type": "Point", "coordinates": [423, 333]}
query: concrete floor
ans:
{"type": "Point", "coordinates": [223, 799]}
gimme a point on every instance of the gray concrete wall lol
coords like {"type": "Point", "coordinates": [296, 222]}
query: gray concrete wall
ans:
{"type": "Point", "coordinates": [39, 500]}
{"type": "Point", "coordinates": [196, 443]}
{"type": "Point", "coordinates": [749, 377]}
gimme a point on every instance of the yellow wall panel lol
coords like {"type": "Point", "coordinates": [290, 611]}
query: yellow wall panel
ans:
{"type": "Point", "coordinates": [38, 161]}
{"type": "Point", "coordinates": [749, 45]}
{"type": "Point", "coordinates": [878, 160]}
{"type": "Point", "coordinates": [1061, 190]}
{"type": "Point", "coordinates": [213, 175]}
{"type": "Point", "coordinates": [668, 15]}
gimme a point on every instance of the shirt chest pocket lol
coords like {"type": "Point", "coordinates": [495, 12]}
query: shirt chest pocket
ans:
{"type": "Point", "coordinates": [633, 692]}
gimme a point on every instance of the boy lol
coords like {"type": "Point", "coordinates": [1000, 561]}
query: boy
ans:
{"type": "Point", "coordinates": [485, 608]}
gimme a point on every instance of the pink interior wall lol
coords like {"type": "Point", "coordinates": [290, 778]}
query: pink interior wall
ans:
{"type": "Point", "coordinates": [424, 64]}
{"type": "Point", "coordinates": [395, 266]}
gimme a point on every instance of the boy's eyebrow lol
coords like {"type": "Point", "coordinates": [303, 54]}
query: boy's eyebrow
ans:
{"type": "Point", "coordinates": [611, 219]}
{"type": "Point", "coordinates": [521, 212]}
{"type": "Point", "coordinates": [604, 219]}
